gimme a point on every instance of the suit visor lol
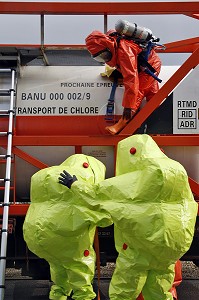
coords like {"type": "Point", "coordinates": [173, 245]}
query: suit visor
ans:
{"type": "Point", "coordinates": [103, 56]}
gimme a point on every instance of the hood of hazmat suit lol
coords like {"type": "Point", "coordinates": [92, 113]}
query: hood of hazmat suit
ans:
{"type": "Point", "coordinates": [152, 207]}
{"type": "Point", "coordinates": [98, 41]}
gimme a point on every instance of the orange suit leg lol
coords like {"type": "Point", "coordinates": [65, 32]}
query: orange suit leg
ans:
{"type": "Point", "coordinates": [177, 279]}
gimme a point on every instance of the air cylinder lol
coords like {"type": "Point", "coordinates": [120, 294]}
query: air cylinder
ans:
{"type": "Point", "coordinates": [124, 27]}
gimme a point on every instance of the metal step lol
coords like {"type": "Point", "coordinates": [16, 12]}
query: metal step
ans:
{"type": "Point", "coordinates": [6, 92]}
{"type": "Point", "coordinates": [8, 57]}
{"type": "Point", "coordinates": [5, 70]}
{"type": "Point", "coordinates": [6, 112]}
{"type": "Point", "coordinates": [4, 156]}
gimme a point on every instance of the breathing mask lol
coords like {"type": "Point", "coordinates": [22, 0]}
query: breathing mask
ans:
{"type": "Point", "coordinates": [103, 56]}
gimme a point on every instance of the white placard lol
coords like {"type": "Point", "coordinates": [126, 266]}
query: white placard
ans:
{"type": "Point", "coordinates": [186, 105]}
{"type": "Point", "coordinates": [65, 90]}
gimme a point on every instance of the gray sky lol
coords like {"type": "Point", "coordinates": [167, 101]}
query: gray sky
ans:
{"type": "Point", "coordinates": [25, 29]}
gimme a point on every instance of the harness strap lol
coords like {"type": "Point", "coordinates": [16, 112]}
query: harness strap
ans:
{"type": "Point", "coordinates": [143, 57]}
{"type": "Point", "coordinates": [144, 63]}
{"type": "Point", "coordinates": [110, 104]}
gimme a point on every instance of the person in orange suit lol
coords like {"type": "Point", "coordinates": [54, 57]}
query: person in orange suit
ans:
{"type": "Point", "coordinates": [123, 54]}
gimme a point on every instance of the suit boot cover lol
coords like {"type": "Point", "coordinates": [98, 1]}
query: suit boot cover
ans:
{"type": "Point", "coordinates": [56, 293]}
{"type": "Point", "coordinates": [116, 128]}
{"type": "Point", "coordinates": [177, 281]}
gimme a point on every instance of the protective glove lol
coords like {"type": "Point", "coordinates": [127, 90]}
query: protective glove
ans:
{"type": "Point", "coordinates": [66, 179]}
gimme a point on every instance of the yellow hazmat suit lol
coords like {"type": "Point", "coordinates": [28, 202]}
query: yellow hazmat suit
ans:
{"type": "Point", "coordinates": [154, 215]}
{"type": "Point", "coordinates": [60, 226]}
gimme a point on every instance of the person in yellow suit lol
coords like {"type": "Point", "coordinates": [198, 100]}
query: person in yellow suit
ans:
{"type": "Point", "coordinates": [60, 225]}
{"type": "Point", "coordinates": [154, 215]}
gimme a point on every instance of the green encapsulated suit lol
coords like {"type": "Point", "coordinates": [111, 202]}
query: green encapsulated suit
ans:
{"type": "Point", "coordinates": [154, 216]}
{"type": "Point", "coordinates": [60, 225]}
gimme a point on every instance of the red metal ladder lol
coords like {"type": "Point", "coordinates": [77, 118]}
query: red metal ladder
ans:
{"type": "Point", "coordinates": [7, 179]}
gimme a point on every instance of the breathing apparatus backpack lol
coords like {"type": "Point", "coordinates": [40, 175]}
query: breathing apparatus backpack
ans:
{"type": "Point", "coordinates": [141, 36]}
{"type": "Point", "coordinates": [146, 40]}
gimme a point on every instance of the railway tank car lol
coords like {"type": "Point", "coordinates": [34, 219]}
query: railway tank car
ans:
{"type": "Point", "coordinates": [60, 110]}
